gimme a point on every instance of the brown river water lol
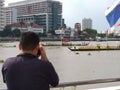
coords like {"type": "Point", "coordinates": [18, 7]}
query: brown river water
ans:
{"type": "Point", "coordinates": [75, 66]}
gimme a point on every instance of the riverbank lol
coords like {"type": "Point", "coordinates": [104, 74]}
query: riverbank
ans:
{"type": "Point", "coordinates": [3, 39]}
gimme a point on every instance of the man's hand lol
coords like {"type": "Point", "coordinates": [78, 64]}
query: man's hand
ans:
{"type": "Point", "coordinates": [43, 53]}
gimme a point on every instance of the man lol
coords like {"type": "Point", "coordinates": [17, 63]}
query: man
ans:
{"type": "Point", "coordinates": [26, 71]}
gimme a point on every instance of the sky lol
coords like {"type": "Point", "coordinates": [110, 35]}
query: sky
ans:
{"type": "Point", "coordinates": [75, 10]}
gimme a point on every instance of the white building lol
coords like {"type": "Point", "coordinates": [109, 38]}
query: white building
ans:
{"type": "Point", "coordinates": [47, 13]}
{"type": "Point", "coordinates": [10, 15]}
{"type": "Point", "coordinates": [27, 27]}
{"type": "Point", "coordinates": [86, 23]}
{"type": "Point", "coordinates": [1, 15]}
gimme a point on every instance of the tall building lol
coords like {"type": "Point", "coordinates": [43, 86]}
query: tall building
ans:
{"type": "Point", "coordinates": [1, 15]}
{"type": "Point", "coordinates": [77, 26]}
{"type": "Point", "coordinates": [86, 23]}
{"type": "Point", "coordinates": [47, 13]}
{"type": "Point", "coordinates": [10, 15]}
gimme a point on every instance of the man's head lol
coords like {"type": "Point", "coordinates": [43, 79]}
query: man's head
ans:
{"type": "Point", "coordinates": [29, 41]}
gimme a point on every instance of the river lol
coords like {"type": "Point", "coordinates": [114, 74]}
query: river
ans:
{"type": "Point", "coordinates": [75, 66]}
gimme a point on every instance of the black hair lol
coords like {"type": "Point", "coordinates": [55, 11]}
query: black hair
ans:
{"type": "Point", "coordinates": [29, 40]}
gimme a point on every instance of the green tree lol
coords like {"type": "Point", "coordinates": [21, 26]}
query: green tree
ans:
{"type": "Point", "coordinates": [79, 32]}
{"type": "Point", "coordinates": [42, 34]}
{"type": "Point", "coordinates": [91, 32]}
{"type": "Point", "coordinates": [52, 32]}
{"type": "Point", "coordinates": [64, 26]}
{"type": "Point", "coordinates": [7, 32]}
{"type": "Point", "coordinates": [16, 32]}
{"type": "Point", "coordinates": [102, 35]}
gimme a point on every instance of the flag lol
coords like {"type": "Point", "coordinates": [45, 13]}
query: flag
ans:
{"type": "Point", "coordinates": [113, 16]}
{"type": "Point", "coordinates": [118, 25]}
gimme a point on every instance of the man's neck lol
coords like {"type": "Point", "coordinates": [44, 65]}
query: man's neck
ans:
{"type": "Point", "coordinates": [29, 52]}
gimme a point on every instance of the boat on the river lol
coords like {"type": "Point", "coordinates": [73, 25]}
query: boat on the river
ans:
{"type": "Point", "coordinates": [65, 44]}
{"type": "Point", "coordinates": [73, 44]}
{"type": "Point", "coordinates": [94, 48]}
{"type": "Point", "coordinates": [69, 43]}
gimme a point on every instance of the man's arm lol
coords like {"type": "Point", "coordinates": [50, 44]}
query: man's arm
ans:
{"type": "Point", "coordinates": [3, 73]}
{"type": "Point", "coordinates": [54, 79]}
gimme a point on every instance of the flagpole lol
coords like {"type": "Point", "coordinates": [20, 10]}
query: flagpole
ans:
{"type": "Point", "coordinates": [106, 35]}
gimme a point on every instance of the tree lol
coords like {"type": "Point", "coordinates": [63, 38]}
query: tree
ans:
{"type": "Point", "coordinates": [79, 32]}
{"type": "Point", "coordinates": [7, 32]}
{"type": "Point", "coordinates": [42, 34]}
{"type": "Point", "coordinates": [102, 35]}
{"type": "Point", "coordinates": [16, 32]}
{"type": "Point", "coordinates": [91, 32]}
{"type": "Point", "coordinates": [1, 33]}
{"type": "Point", "coordinates": [52, 32]}
{"type": "Point", "coordinates": [64, 26]}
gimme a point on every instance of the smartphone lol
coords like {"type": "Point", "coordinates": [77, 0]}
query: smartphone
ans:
{"type": "Point", "coordinates": [38, 53]}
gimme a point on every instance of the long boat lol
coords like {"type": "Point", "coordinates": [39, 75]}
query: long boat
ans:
{"type": "Point", "coordinates": [94, 48]}
{"type": "Point", "coordinates": [65, 44]}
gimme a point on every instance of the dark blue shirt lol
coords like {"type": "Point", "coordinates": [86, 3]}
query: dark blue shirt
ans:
{"type": "Point", "coordinates": [27, 72]}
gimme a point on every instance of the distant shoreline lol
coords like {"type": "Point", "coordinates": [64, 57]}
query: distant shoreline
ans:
{"type": "Point", "coordinates": [4, 39]}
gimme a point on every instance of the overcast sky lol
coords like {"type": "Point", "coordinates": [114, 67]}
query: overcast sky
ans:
{"type": "Point", "coordinates": [75, 10]}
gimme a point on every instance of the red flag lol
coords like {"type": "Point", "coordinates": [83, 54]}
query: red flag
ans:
{"type": "Point", "coordinates": [118, 24]}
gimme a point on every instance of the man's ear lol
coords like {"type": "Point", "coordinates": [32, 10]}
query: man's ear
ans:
{"type": "Point", "coordinates": [20, 47]}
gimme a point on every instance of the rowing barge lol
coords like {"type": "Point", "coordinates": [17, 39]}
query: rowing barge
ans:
{"type": "Point", "coordinates": [94, 48]}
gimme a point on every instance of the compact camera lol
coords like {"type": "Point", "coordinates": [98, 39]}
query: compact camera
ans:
{"type": "Point", "coordinates": [38, 53]}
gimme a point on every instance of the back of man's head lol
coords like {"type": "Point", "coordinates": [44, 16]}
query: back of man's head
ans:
{"type": "Point", "coordinates": [29, 40]}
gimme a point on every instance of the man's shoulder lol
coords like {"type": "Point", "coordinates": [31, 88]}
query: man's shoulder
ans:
{"type": "Point", "coordinates": [11, 60]}
{"type": "Point", "coordinates": [45, 63]}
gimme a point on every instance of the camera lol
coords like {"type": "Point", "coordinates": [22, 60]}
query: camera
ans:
{"type": "Point", "coordinates": [38, 53]}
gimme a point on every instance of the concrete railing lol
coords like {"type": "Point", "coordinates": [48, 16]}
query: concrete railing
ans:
{"type": "Point", "coordinates": [61, 86]}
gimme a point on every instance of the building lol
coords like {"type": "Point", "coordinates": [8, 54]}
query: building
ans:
{"type": "Point", "coordinates": [47, 13]}
{"type": "Point", "coordinates": [24, 27]}
{"type": "Point", "coordinates": [10, 15]}
{"type": "Point", "coordinates": [1, 15]}
{"type": "Point", "coordinates": [7, 14]}
{"type": "Point", "coordinates": [77, 26]}
{"type": "Point", "coordinates": [86, 23]}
